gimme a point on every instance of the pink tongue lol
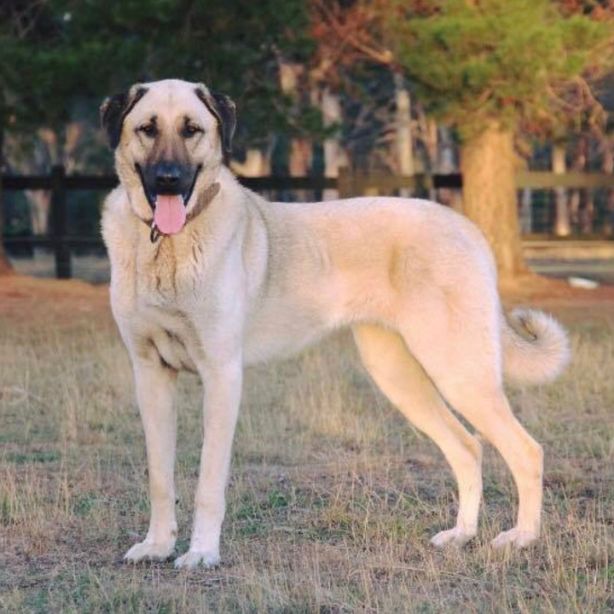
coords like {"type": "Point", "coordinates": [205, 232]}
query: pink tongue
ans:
{"type": "Point", "coordinates": [170, 214]}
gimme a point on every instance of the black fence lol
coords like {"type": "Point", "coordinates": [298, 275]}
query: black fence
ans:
{"type": "Point", "coordinates": [347, 184]}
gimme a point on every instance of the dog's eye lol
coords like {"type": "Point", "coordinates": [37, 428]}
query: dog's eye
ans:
{"type": "Point", "coordinates": [189, 130]}
{"type": "Point", "coordinates": [149, 130]}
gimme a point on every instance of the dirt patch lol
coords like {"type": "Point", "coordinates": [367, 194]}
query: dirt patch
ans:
{"type": "Point", "coordinates": [24, 298]}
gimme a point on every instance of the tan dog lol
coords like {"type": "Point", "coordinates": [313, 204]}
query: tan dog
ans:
{"type": "Point", "coordinates": [209, 277]}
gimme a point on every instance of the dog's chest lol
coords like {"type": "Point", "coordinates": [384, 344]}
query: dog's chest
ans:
{"type": "Point", "coordinates": [166, 283]}
{"type": "Point", "coordinates": [172, 335]}
{"type": "Point", "coordinates": [167, 270]}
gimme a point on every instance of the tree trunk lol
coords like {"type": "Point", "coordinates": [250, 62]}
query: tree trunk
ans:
{"type": "Point", "coordinates": [334, 156]}
{"type": "Point", "coordinates": [488, 165]}
{"type": "Point", "coordinates": [46, 154]}
{"type": "Point", "coordinates": [40, 203]}
{"type": "Point", "coordinates": [586, 205]}
{"type": "Point", "coordinates": [562, 220]}
{"type": "Point", "coordinates": [300, 154]}
{"type": "Point", "coordinates": [431, 142]}
{"type": "Point", "coordinates": [403, 136]}
{"type": "Point", "coordinates": [575, 198]}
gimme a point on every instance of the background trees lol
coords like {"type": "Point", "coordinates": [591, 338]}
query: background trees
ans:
{"type": "Point", "coordinates": [60, 57]}
{"type": "Point", "coordinates": [491, 68]}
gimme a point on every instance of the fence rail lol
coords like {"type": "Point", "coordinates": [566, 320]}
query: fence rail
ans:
{"type": "Point", "coordinates": [347, 184]}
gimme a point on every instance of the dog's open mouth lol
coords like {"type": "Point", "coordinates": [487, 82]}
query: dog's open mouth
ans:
{"type": "Point", "coordinates": [169, 209]}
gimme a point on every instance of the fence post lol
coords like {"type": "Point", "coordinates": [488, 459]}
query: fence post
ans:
{"type": "Point", "coordinates": [59, 223]}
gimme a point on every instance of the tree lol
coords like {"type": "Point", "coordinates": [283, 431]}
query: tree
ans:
{"type": "Point", "coordinates": [44, 76]}
{"type": "Point", "coordinates": [489, 67]}
{"type": "Point", "coordinates": [341, 33]}
{"type": "Point", "coordinates": [60, 57]}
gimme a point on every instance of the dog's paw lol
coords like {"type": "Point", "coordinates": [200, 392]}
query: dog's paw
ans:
{"type": "Point", "coordinates": [150, 551]}
{"type": "Point", "coordinates": [193, 558]}
{"type": "Point", "coordinates": [452, 537]}
{"type": "Point", "coordinates": [514, 538]}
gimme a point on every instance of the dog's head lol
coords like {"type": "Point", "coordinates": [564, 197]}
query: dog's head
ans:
{"type": "Point", "coordinates": [170, 138]}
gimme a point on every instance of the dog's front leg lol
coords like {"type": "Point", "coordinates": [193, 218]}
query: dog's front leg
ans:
{"type": "Point", "coordinates": [155, 387]}
{"type": "Point", "coordinates": [221, 407]}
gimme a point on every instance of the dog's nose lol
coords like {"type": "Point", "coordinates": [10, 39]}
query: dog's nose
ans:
{"type": "Point", "coordinates": [168, 176]}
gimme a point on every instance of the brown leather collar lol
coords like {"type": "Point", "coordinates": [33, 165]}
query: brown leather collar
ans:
{"type": "Point", "coordinates": [204, 199]}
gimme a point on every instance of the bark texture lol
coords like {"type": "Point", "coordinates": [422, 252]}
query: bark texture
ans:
{"type": "Point", "coordinates": [488, 164]}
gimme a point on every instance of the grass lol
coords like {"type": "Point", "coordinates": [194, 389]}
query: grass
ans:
{"type": "Point", "coordinates": [333, 496]}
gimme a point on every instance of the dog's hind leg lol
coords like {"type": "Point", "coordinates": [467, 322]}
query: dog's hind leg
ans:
{"type": "Point", "coordinates": [155, 387]}
{"type": "Point", "coordinates": [486, 407]}
{"type": "Point", "coordinates": [403, 380]}
{"type": "Point", "coordinates": [461, 355]}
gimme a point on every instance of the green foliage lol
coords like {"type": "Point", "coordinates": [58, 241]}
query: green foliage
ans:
{"type": "Point", "coordinates": [497, 60]}
{"type": "Point", "coordinates": [68, 54]}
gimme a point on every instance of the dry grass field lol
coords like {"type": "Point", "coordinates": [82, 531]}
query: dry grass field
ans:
{"type": "Point", "coordinates": [333, 496]}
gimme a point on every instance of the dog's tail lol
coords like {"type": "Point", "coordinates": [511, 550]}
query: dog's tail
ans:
{"type": "Point", "coordinates": [535, 347]}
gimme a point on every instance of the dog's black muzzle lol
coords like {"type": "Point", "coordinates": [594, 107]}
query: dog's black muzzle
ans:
{"type": "Point", "coordinates": [167, 177]}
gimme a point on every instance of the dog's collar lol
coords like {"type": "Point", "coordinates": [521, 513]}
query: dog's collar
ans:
{"type": "Point", "coordinates": [205, 198]}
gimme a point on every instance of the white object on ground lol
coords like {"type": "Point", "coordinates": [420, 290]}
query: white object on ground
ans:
{"type": "Point", "coordinates": [583, 282]}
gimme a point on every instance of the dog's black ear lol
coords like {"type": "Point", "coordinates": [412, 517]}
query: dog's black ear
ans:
{"type": "Point", "coordinates": [113, 111]}
{"type": "Point", "coordinates": [225, 111]}
{"type": "Point", "coordinates": [111, 117]}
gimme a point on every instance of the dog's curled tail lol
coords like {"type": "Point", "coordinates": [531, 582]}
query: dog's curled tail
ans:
{"type": "Point", "coordinates": [535, 347]}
